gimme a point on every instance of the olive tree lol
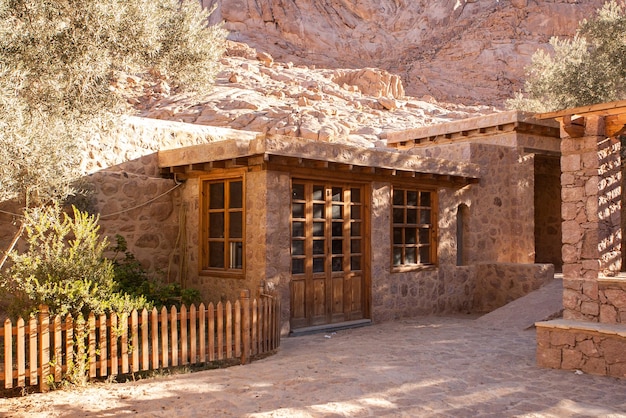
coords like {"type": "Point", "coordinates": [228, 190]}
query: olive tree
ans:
{"type": "Point", "coordinates": [589, 68]}
{"type": "Point", "coordinates": [58, 59]}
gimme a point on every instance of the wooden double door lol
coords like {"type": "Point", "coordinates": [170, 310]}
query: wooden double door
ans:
{"type": "Point", "coordinates": [328, 253]}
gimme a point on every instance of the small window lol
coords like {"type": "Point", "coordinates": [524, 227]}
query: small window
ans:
{"type": "Point", "coordinates": [223, 225]}
{"type": "Point", "coordinates": [413, 237]}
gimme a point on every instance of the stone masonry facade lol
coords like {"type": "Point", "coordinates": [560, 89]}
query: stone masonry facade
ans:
{"type": "Point", "coordinates": [591, 337]}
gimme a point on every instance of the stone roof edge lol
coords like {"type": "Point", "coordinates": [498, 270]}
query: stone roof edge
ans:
{"type": "Point", "coordinates": [479, 122]}
{"type": "Point", "coordinates": [215, 133]}
{"type": "Point", "coordinates": [314, 150]}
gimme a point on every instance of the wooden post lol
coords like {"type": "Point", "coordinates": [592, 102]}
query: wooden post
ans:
{"type": "Point", "coordinates": [8, 354]}
{"type": "Point", "coordinates": [245, 325]}
{"type": "Point", "coordinates": [44, 347]}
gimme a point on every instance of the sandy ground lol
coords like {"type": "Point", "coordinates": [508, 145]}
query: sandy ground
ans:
{"type": "Point", "coordinates": [427, 367]}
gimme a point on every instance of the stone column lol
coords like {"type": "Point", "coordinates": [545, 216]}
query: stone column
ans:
{"type": "Point", "coordinates": [591, 195]}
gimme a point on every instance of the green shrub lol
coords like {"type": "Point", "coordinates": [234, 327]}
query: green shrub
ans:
{"type": "Point", "coordinates": [64, 268]}
{"type": "Point", "coordinates": [132, 279]}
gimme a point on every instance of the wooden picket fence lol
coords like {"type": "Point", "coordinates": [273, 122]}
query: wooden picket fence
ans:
{"type": "Point", "coordinates": [41, 350]}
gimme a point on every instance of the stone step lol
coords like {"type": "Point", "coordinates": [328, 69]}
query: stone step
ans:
{"type": "Point", "coordinates": [542, 304]}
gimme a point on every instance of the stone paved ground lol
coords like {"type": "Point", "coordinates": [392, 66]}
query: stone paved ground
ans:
{"type": "Point", "coordinates": [426, 367]}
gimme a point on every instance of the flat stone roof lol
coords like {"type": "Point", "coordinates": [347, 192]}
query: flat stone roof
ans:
{"type": "Point", "coordinates": [478, 126]}
{"type": "Point", "coordinates": [298, 151]}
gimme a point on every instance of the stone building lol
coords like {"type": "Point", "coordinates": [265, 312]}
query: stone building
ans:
{"type": "Point", "coordinates": [459, 217]}
{"type": "Point", "coordinates": [446, 219]}
{"type": "Point", "coordinates": [592, 334]}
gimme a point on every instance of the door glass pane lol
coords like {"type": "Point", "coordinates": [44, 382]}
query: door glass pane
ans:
{"type": "Point", "coordinates": [337, 246]}
{"type": "Point", "coordinates": [425, 254]}
{"type": "Point", "coordinates": [337, 229]}
{"type": "Point", "coordinates": [318, 211]}
{"type": "Point", "coordinates": [297, 247]}
{"type": "Point", "coordinates": [337, 263]}
{"type": "Point", "coordinates": [318, 246]}
{"type": "Point", "coordinates": [297, 229]}
{"type": "Point", "coordinates": [216, 254]}
{"type": "Point", "coordinates": [425, 199]}
{"type": "Point", "coordinates": [398, 216]}
{"type": "Point", "coordinates": [398, 198]}
{"type": "Point", "coordinates": [411, 216]}
{"type": "Point", "coordinates": [297, 192]}
{"type": "Point", "coordinates": [355, 195]}
{"type": "Point", "coordinates": [236, 225]}
{"type": "Point", "coordinates": [318, 193]}
{"type": "Point", "coordinates": [355, 229]}
{"type": "Point", "coordinates": [355, 212]}
{"type": "Point", "coordinates": [425, 217]}
{"type": "Point", "coordinates": [355, 246]}
{"type": "Point", "coordinates": [411, 198]}
{"type": "Point", "coordinates": [424, 235]}
{"type": "Point", "coordinates": [337, 194]}
{"type": "Point", "coordinates": [297, 210]}
{"type": "Point", "coordinates": [337, 211]}
{"type": "Point", "coordinates": [216, 196]}
{"type": "Point", "coordinates": [318, 265]}
{"type": "Point", "coordinates": [236, 194]}
{"type": "Point", "coordinates": [318, 229]}
{"type": "Point", "coordinates": [216, 225]}
{"type": "Point", "coordinates": [297, 266]}
{"type": "Point", "coordinates": [355, 263]}
{"type": "Point", "coordinates": [236, 255]}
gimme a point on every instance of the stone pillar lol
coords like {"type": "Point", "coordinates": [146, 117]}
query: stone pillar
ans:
{"type": "Point", "coordinates": [591, 194]}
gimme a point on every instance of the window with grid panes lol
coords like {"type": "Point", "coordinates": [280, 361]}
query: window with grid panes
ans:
{"type": "Point", "coordinates": [412, 230]}
{"type": "Point", "coordinates": [223, 225]}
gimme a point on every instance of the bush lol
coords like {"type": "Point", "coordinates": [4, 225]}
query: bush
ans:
{"type": "Point", "coordinates": [64, 268]}
{"type": "Point", "coordinates": [132, 279]}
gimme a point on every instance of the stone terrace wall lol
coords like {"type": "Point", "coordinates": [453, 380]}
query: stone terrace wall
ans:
{"type": "Point", "coordinates": [572, 345]}
{"type": "Point", "coordinates": [501, 283]}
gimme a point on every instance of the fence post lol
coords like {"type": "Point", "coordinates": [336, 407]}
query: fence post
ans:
{"type": "Point", "coordinates": [245, 324]}
{"type": "Point", "coordinates": [44, 347]}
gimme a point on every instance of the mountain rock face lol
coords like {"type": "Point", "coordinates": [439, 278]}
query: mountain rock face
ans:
{"type": "Point", "coordinates": [462, 51]}
{"type": "Point", "coordinates": [254, 92]}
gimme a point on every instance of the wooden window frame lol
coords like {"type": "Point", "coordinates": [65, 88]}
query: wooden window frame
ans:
{"type": "Point", "coordinates": [432, 227]}
{"type": "Point", "coordinates": [203, 257]}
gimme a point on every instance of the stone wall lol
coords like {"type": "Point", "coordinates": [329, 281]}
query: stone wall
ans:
{"type": "Point", "coordinates": [424, 291]}
{"type": "Point", "coordinates": [501, 210]}
{"type": "Point", "coordinates": [126, 189]}
{"type": "Point", "coordinates": [501, 283]}
{"type": "Point", "coordinates": [572, 345]}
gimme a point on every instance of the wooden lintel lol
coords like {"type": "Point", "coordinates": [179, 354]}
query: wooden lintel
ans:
{"type": "Point", "coordinates": [177, 169]}
{"type": "Point", "coordinates": [615, 125]}
{"type": "Point", "coordinates": [407, 174]}
{"type": "Point", "coordinates": [257, 160]}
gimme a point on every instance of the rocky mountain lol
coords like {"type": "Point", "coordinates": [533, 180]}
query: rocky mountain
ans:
{"type": "Point", "coordinates": [462, 51]}
{"type": "Point", "coordinates": [353, 70]}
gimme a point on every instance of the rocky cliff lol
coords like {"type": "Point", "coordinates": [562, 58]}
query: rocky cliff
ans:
{"type": "Point", "coordinates": [463, 51]}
